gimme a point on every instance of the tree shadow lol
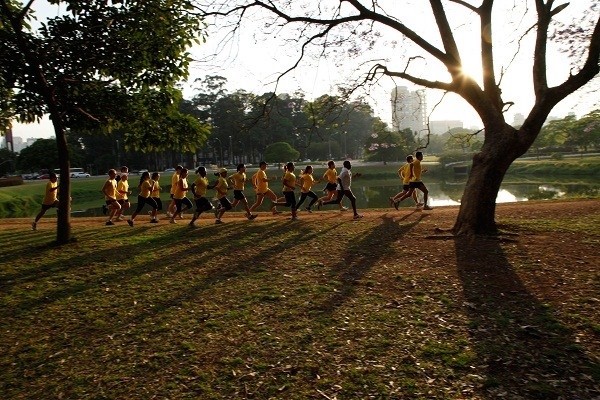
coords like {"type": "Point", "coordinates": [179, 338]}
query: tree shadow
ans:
{"type": "Point", "coordinates": [360, 256]}
{"type": "Point", "coordinates": [523, 349]}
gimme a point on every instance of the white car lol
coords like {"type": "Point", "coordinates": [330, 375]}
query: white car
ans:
{"type": "Point", "coordinates": [80, 175]}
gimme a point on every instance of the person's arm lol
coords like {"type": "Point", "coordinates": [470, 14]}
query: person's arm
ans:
{"type": "Point", "coordinates": [340, 183]}
{"type": "Point", "coordinates": [412, 174]}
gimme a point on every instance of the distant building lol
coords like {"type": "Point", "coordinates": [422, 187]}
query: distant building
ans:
{"type": "Point", "coordinates": [518, 120]}
{"type": "Point", "coordinates": [441, 127]}
{"type": "Point", "coordinates": [18, 144]}
{"type": "Point", "coordinates": [409, 109]}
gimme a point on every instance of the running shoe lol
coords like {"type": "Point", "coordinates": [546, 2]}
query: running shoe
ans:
{"type": "Point", "coordinates": [154, 221]}
{"type": "Point", "coordinates": [130, 222]}
{"type": "Point", "coordinates": [253, 216]}
{"type": "Point", "coordinates": [172, 221]}
{"type": "Point", "coordinates": [218, 221]}
{"type": "Point", "coordinates": [396, 204]}
{"type": "Point", "coordinates": [308, 209]}
{"type": "Point", "coordinates": [426, 207]}
{"type": "Point", "coordinates": [33, 226]}
{"type": "Point", "coordinates": [344, 209]}
{"type": "Point", "coordinates": [109, 223]}
{"type": "Point", "coordinates": [358, 216]}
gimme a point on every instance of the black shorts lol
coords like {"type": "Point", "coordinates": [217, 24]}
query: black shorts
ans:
{"type": "Point", "coordinates": [109, 202]}
{"type": "Point", "coordinates": [46, 207]}
{"type": "Point", "coordinates": [180, 202]}
{"type": "Point", "coordinates": [225, 203]}
{"type": "Point", "coordinates": [331, 187]}
{"type": "Point", "coordinates": [238, 195]}
{"type": "Point", "coordinates": [405, 187]}
{"type": "Point", "coordinates": [122, 201]}
{"type": "Point", "coordinates": [290, 199]}
{"type": "Point", "coordinates": [416, 185]}
{"type": "Point", "coordinates": [202, 204]}
{"type": "Point", "coordinates": [158, 203]}
{"type": "Point", "coordinates": [142, 201]}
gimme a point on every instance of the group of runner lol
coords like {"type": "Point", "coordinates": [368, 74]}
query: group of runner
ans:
{"type": "Point", "coordinates": [116, 190]}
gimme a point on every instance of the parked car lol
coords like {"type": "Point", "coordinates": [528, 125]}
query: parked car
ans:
{"type": "Point", "coordinates": [170, 170]}
{"type": "Point", "coordinates": [44, 176]}
{"type": "Point", "coordinates": [80, 175]}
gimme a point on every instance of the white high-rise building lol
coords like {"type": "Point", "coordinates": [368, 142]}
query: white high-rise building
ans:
{"type": "Point", "coordinates": [409, 109]}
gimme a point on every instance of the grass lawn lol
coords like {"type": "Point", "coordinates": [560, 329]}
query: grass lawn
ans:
{"type": "Point", "coordinates": [321, 308]}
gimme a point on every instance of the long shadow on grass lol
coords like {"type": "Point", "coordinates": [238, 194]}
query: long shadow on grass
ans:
{"type": "Point", "coordinates": [525, 350]}
{"type": "Point", "coordinates": [361, 255]}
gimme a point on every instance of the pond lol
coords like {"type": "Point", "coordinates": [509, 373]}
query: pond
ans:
{"type": "Point", "coordinates": [441, 193]}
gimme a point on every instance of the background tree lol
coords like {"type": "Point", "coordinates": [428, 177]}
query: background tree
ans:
{"type": "Point", "coordinates": [355, 28]}
{"type": "Point", "coordinates": [76, 66]}
{"type": "Point", "coordinates": [8, 161]}
{"type": "Point", "coordinates": [281, 152]}
{"type": "Point", "coordinates": [41, 154]}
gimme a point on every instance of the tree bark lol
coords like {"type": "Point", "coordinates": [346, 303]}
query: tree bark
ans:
{"type": "Point", "coordinates": [476, 215]}
{"type": "Point", "coordinates": [63, 224]}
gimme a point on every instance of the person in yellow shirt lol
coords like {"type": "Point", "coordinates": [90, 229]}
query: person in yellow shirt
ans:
{"type": "Point", "coordinates": [238, 180]}
{"type": "Point", "coordinates": [199, 188]}
{"type": "Point", "coordinates": [145, 188]}
{"type": "Point", "coordinates": [156, 192]}
{"type": "Point", "coordinates": [306, 183]}
{"type": "Point", "coordinates": [261, 186]}
{"type": "Point", "coordinates": [50, 198]}
{"type": "Point", "coordinates": [404, 174]}
{"type": "Point", "coordinates": [289, 185]}
{"type": "Point", "coordinates": [179, 195]}
{"type": "Point", "coordinates": [221, 187]}
{"type": "Point", "coordinates": [174, 180]}
{"type": "Point", "coordinates": [330, 176]}
{"type": "Point", "coordinates": [415, 181]}
{"type": "Point", "coordinates": [122, 196]}
{"type": "Point", "coordinates": [109, 189]}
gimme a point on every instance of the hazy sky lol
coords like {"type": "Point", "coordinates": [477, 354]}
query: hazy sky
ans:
{"type": "Point", "coordinates": [252, 61]}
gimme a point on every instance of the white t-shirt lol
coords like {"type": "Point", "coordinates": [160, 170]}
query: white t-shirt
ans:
{"type": "Point", "coordinates": [346, 177]}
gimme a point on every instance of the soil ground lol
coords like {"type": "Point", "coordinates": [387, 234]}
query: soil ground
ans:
{"type": "Point", "coordinates": [516, 316]}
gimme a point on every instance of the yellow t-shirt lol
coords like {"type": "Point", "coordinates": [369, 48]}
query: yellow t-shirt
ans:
{"type": "Point", "coordinates": [155, 188]}
{"type": "Point", "coordinates": [111, 189]}
{"type": "Point", "coordinates": [307, 182]}
{"type": "Point", "coordinates": [50, 194]}
{"type": "Point", "coordinates": [221, 187]}
{"type": "Point", "coordinates": [122, 189]}
{"type": "Point", "coordinates": [404, 173]}
{"type": "Point", "coordinates": [146, 188]}
{"type": "Point", "coordinates": [290, 180]}
{"type": "Point", "coordinates": [180, 188]}
{"type": "Point", "coordinates": [330, 175]}
{"type": "Point", "coordinates": [261, 185]}
{"type": "Point", "coordinates": [238, 180]}
{"type": "Point", "coordinates": [201, 186]}
{"type": "Point", "coordinates": [174, 180]}
{"type": "Point", "coordinates": [416, 171]}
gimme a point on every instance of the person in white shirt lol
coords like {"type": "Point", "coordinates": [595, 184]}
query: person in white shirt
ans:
{"type": "Point", "coordinates": [343, 189]}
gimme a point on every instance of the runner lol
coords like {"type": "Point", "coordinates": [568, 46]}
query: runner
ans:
{"type": "Point", "coordinates": [145, 187]}
{"type": "Point", "coordinates": [179, 195]}
{"type": "Point", "coordinates": [123, 170]}
{"type": "Point", "coordinates": [221, 187]}
{"type": "Point", "coordinates": [110, 196]}
{"type": "Point", "coordinates": [289, 185]}
{"type": "Point", "coordinates": [330, 176]}
{"type": "Point", "coordinates": [174, 180]}
{"type": "Point", "coordinates": [344, 189]}
{"type": "Point", "coordinates": [122, 196]}
{"type": "Point", "coordinates": [238, 181]}
{"type": "Point", "coordinates": [199, 188]}
{"type": "Point", "coordinates": [415, 181]}
{"type": "Point", "coordinates": [50, 198]}
{"type": "Point", "coordinates": [404, 174]}
{"type": "Point", "coordinates": [261, 186]}
{"type": "Point", "coordinates": [306, 183]}
{"type": "Point", "coordinates": [156, 193]}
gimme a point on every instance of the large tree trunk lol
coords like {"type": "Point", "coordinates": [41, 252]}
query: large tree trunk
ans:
{"type": "Point", "coordinates": [478, 205]}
